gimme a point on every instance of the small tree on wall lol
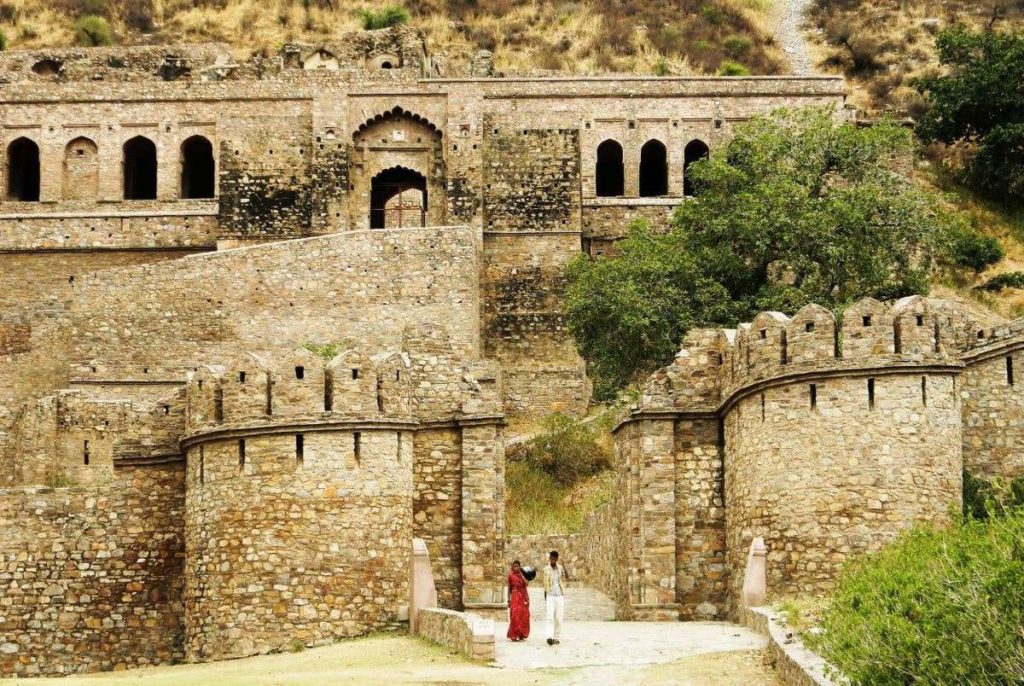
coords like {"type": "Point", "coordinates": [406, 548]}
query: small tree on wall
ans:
{"type": "Point", "coordinates": [798, 208]}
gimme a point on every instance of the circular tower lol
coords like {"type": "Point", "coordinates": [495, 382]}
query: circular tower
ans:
{"type": "Point", "coordinates": [298, 502]}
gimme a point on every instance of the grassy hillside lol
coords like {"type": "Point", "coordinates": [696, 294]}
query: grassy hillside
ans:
{"type": "Point", "coordinates": [588, 36]}
{"type": "Point", "coordinates": [881, 44]}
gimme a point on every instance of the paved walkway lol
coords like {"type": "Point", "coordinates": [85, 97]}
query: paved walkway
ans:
{"type": "Point", "coordinates": [790, 22]}
{"type": "Point", "coordinates": [588, 639]}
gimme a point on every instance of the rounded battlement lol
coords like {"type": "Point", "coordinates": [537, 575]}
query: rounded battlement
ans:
{"type": "Point", "coordinates": [249, 390]}
{"type": "Point", "coordinates": [716, 367]}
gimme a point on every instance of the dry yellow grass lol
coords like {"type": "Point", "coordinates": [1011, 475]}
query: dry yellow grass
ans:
{"type": "Point", "coordinates": [588, 36]}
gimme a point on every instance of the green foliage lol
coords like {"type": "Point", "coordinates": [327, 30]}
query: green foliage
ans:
{"type": "Point", "coordinates": [984, 498]}
{"type": "Point", "coordinates": [797, 208]}
{"type": "Point", "coordinates": [537, 504]}
{"type": "Point", "coordinates": [940, 606]}
{"type": "Point", "coordinates": [93, 31]}
{"type": "Point", "coordinates": [325, 351]}
{"type": "Point", "coordinates": [567, 450]}
{"type": "Point", "coordinates": [392, 15]}
{"type": "Point", "coordinates": [712, 14]}
{"type": "Point", "coordinates": [977, 100]}
{"type": "Point", "coordinates": [737, 46]}
{"type": "Point", "coordinates": [61, 480]}
{"type": "Point", "coordinates": [1001, 281]}
{"type": "Point", "coordinates": [660, 67]}
{"type": "Point", "coordinates": [966, 247]}
{"type": "Point", "coordinates": [729, 68]}
{"type": "Point", "coordinates": [3, 40]}
{"type": "Point", "coordinates": [296, 646]}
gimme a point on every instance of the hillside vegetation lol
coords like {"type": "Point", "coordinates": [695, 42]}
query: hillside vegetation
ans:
{"type": "Point", "coordinates": [587, 36]}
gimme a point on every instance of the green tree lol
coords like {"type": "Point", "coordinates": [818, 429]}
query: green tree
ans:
{"type": "Point", "coordinates": [797, 208]}
{"type": "Point", "coordinates": [978, 100]}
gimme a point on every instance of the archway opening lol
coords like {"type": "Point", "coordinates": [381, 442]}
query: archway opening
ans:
{"type": "Point", "coordinates": [695, 151]}
{"type": "Point", "coordinates": [609, 179]}
{"type": "Point", "coordinates": [653, 169]}
{"type": "Point", "coordinates": [197, 168]}
{"type": "Point", "coordinates": [23, 170]}
{"type": "Point", "coordinates": [81, 169]}
{"type": "Point", "coordinates": [139, 169]}
{"type": "Point", "coordinates": [398, 198]}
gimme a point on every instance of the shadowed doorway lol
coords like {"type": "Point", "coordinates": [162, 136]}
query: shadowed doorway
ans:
{"type": "Point", "coordinates": [398, 198]}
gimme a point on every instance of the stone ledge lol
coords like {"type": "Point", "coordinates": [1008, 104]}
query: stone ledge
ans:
{"type": "Point", "coordinates": [464, 632]}
{"type": "Point", "coordinates": [793, 662]}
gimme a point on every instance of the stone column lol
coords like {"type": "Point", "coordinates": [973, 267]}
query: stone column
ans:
{"type": "Point", "coordinates": [653, 591]}
{"type": "Point", "coordinates": [483, 514]}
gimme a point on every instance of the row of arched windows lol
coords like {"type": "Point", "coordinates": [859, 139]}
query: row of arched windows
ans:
{"type": "Point", "coordinates": [610, 177]}
{"type": "Point", "coordinates": [138, 169]}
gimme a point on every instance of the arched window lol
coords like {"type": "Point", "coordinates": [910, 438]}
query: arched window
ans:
{"type": "Point", "coordinates": [197, 174]}
{"type": "Point", "coordinates": [398, 199]}
{"type": "Point", "coordinates": [81, 170]}
{"type": "Point", "coordinates": [608, 175]}
{"type": "Point", "coordinates": [695, 150]}
{"type": "Point", "coordinates": [23, 170]}
{"type": "Point", "coordinates": [139, 169]}
{"type": "Point", "coordinates": [653, 169]}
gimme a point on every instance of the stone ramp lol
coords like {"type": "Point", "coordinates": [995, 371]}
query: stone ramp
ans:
{"type": "Point", "coordinates": [590, 639]}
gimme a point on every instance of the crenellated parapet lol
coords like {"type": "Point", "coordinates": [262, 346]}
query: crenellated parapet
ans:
{"type": "Point", "coordinates": [716, 366]}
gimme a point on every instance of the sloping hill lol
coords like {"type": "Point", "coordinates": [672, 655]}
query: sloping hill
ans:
{"type": "Point", "coordinates": [588, 36]}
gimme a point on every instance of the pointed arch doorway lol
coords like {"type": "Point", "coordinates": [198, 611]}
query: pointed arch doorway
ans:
{"type": "Point", "coordinates": [398, 199]}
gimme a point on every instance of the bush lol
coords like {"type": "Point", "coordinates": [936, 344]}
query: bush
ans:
{"type": "Point", "coordinates": [384, 17]}
{"type": "Point", "coordinates": [660, 67]}
{"type": "Point", "coordinates": [985, 498]}
{"type": "Point", "coordinates": [736, 46]}
{"type": "Point", "coordinates": [1001, 281]}
{"type": "Point", "coordinates": [567, 450]}
{"type": "Point", "coordinates": [940, 606]}
{"type": "Point", "coordinates": [728, 68]}
{"type": "Point", "coordinates": [93, 31]}
{"type": "Point", "coordinates": [3, 40]}
{"type": "Point", "coordinates": [969, 248]}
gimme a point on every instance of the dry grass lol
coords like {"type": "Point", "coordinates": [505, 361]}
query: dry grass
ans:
{"type": "Point", "coordinates": [881, 44]}
{"type": "Point", "coordinates": [591, 36]}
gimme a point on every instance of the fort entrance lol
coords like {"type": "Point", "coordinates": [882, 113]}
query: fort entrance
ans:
{"type": "Point", "coordinates": [398, 199]}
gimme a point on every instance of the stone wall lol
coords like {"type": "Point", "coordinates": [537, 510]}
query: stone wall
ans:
{"type": "Point", "coordinates": [463, 632]}
{"type": "Point", "coordinates": [992, 392]}
{"type": "Point", "coordinates": [533, 550]}
{"type": "Point", "coordinates": [92, 576]}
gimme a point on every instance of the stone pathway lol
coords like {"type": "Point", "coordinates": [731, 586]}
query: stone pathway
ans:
{"type": "Point", "coordinates": [790, 20]}
{"type": "Point", "coordinates": [589, 639]}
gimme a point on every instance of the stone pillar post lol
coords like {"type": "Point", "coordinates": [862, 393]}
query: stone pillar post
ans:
{"type": "Point", "coordinates": [653, 591]}
{"type": "Point", "coordinates": [483, 515]}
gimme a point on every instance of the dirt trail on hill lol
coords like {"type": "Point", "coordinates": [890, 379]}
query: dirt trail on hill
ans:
{"type": "Point", "coordinates": [789, 19]}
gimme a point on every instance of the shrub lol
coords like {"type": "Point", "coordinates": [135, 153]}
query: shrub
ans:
{"type": "Point", "coordinates": [712, 14]}
{"type": "Point", "coordinates": [60, 480]}
{"type": "Point", "coordinates": [984, 498]}
{"type": "Point", "coordinates": [567, 450]}
{"type": "Point", "coordinates": [736, 46]}
{"type": "Point", "coordinates": [729, 68]}
{"type": "Point", "coordinates": [940, 606]}
{"type": "Point", "coordinates": [3, 40]}
{"type": "Point", "coordinates": [1001, 281]}
{"type": "Point", "coordinates": [92, 31]}
{"type": "Point", "coordinates": [660, 67]}
{"type": "Point", "coordinates": [391, 15]}
{"type": "Point", "coordinates": [969, 248]}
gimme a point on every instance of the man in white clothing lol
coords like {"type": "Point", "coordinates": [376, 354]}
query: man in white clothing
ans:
{"type": "Point", "coordinates": [555, 577]}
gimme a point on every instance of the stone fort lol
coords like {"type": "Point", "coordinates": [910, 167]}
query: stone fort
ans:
{"type": "Point", "coordinates": [265, 322]}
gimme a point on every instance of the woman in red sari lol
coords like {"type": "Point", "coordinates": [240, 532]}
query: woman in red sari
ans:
{"type": "Point", "coordinates": [518, 604]}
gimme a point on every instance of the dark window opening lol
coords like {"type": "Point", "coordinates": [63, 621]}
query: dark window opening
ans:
{"type": "Point", "coordinates": [300, 372]}
{"type": "Point", "coordinates": [814, 395]}
{"type": "Point", "coordinates": [270, 395]}
{"type": "Point", "coordinates": [218, 404]}
{"type": "Point", "coordinates": [609, 176]}
{"type": "Point", "coordinates": [924, 391]}
{"type": "Point", "coordinates": [300, 447]}
{"type": "Point", "coordinates": [139, 169]}
{"type": "Point", "coordinates": [919, 319]}
{"type": "Point", "coordinates": [380, 396]}
{"type": "Point", "coordinates": [764, 334]}
{"type": "Point", "coordinates": [241, 377]}
{"type": "Point", "coordinates": [385, 65]}
{"type": "Point", "coordinates": [85, 452]}
{"type": "Point", "coordinates": [328, 392]}
{"type": "Point", "coordinates": [867, 320]}
{"type": "Point", "coordinates": [355, 373]}
{"type": "Point", "coordinates": [23, 170]}
{"type": "Point", "coordinates": [1009, 369]}
{"type": "Point", "coordinates": [693, 152]}
{"type": "Point", "coordinates": [809, 327]}
{"type": "Point", "coordinates": [762, 407]}
{"type": "Point", "coordinates": [783, 348]}
{"type": "Point", "coordinates": [197, 168]}
{"type": "Point", "coordinates": [241, 455]}
{"type": "Point", "coordinates": [202, 464]}
{"type": "Point", "coordinates": [357, 445]}
{"type": "Point", "coordinates": [48, 68]}
{"type": "Point", "coordinates": [398, 198]}
{"type": "Point", "coordinates": [653, 169]}
{"type": "Point", "coordinates": [871, 394]}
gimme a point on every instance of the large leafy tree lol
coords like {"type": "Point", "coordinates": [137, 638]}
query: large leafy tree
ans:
{"type": "Point", "coordinates": [798, 208]}
{"type": "Point", "coordinates": [979, 101]}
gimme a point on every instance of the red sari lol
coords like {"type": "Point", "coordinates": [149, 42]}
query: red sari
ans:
{"type": "Point", "coordinates": [518, 607]}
